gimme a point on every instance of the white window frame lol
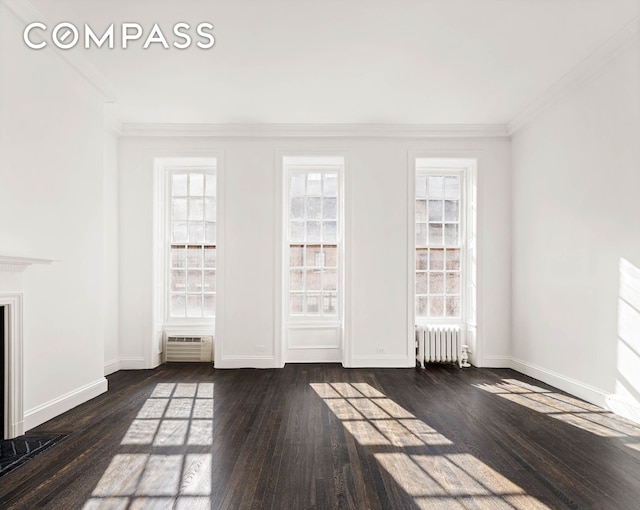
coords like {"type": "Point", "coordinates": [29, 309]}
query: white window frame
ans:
{"type": "Point", "coordinates": [314, 164]}
{"type": "Point", "coordinates": [439, 163]}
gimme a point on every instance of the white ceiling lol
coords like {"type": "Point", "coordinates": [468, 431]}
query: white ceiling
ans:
{"type": "Point", "coordinates": [346, 61]}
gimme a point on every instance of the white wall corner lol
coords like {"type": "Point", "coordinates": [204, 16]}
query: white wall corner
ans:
{"type": "Point", "coordinates": [628, 35]}
{"type": "Point", "coordinates": [48, 410]}
{"type": "Point", "coordinates": [26, 12]}
{"type": "Point", "coordinates": [111, 366]}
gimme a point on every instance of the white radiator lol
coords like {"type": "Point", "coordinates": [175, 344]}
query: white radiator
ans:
{"type": "Point", "coordinates": [440, 344]}
{"type": "Point", "coordinates": [189, 348]}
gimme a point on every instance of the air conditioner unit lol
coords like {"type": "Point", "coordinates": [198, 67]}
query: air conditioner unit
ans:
{"type": "Point", "coordinates": [188, 348]}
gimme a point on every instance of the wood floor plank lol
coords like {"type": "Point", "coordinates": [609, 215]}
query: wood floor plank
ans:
{"type": "Point", "coordinates": [317, 436]}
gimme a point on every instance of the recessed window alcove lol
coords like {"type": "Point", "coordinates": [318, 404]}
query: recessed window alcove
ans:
{"type": "Point", "coordinates": [11, 299]}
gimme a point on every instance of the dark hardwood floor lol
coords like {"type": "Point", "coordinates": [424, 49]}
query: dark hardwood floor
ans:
{"type": "Point", "coordinates": [320, 436]}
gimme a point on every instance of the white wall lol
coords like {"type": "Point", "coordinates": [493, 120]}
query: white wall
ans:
{"type": "Point", "coordinates": [51, 205]}
{"type": "Point", "coordinates": [376, 244]}
{"type": "Point", "coordinates": [576, 183]}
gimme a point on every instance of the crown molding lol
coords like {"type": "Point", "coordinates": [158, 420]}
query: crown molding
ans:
{"type": "Point", "coordinates": [26, 12]}
{"type": "Point", "coordinates": [628, 35]}
{"type": "Point", "coordinates": [19, 264]}
{"type": "Point", "coordinates": [317, 130]}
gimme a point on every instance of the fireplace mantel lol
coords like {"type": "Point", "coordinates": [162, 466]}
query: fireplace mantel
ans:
{"type": "Point", "coordinates": [19, 264]}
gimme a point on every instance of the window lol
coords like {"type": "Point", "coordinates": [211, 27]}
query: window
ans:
{"type": "Point", "coordinates": [192, 243]}
{"type": "Point", "coordinates": [439, 243]}
{"type": "Point", "coordinates": [313, 234]}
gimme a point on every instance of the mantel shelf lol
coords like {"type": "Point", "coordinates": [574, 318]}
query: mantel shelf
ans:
{"type": "Point", "coordinates": [19, 264]}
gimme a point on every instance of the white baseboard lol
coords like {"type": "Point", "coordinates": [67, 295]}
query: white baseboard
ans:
{"type": "Point", "coordinates": [132, 364]}
{"type": "Point", "coordinates": [247, 362]}
{"type": "Point", "coordinates": [379, 362]}
{"type": "Point", "coordinates": [111, 366]}
{"type": "Point", "coordinates": [57, 406]}
{"type": "Point", "coordinates": [496, 362]}
{"type": "Point", "coordinates": [614, 403]}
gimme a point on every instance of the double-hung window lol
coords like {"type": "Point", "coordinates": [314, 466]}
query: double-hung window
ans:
{"type": "Point", "coordinates": [191, 244]}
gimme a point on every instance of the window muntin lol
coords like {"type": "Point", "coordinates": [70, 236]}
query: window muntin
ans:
{"type": "Point", "coordinates": [438, 217]}
{"type": "Point", "coordinates": [192, 244]}
{"type": "Point", "coordinates": [313, 232]}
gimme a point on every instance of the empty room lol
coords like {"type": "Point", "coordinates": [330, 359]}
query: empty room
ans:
{"type": "Point", "coordinates": [295, 255]}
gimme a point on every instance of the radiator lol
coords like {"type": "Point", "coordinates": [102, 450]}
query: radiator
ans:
{"type": "Point", "coordinates": [440, 344]}
{"type": "Point", "coordinates": [189, 348]}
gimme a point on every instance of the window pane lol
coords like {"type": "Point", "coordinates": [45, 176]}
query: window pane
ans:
{"type": "Point", "coordinates": [209, 305]}
{"type": "Point", "coordinates": [295, 303]}
{"type": "Point", "coordinates": [209, 281]}
{"type": "Point", "coordinates": [451, 210]}
{"type": "Point", "coordinates": [296, 280]}
{"type": "Point", "coordinates": [421, 306]}
{"type": "Point", "coordinates": [422, 279]}
{"type": "Point", "coordinates": [296, 231]}
{"type": "Point", "coordinates": [178, 280]}
{"type": "Point", "coordinates": [196, 233]}
{"type": "Point", "coordinates": [435, 233]}
{"type": "Point", "coordinates": [296, 256]}
{"type": "Point", "coordinates": [453, 258]}
{"type": "Point", "coordinates": [210, 209]}
{"type": "Point", "coordinates": [194, 306]}
{"type": "Point", "coordinates": [179, 233]}
{"type": "Point", "coordinates": [194, 257]}
{"type": "Point", "coordinates": [313, 231]}
{"type": "Point", "coordinates": [451, 233]}
{"type": "Point", "coordinates": [330, 188]}
{"type": "Point", "coordinates": [330, 303]}
{"type": "Point", "coordinates": [314, 256]}
{"type": "Point", "coordinates": [422, 259]}
{"type": "Point", "coordinates": [453, 307]}
{"type": "Point", "coordinates": [177, 305]}
{"type": "Point", "coordinates": [421, 186]}
{"type": "Point", "coordinates": [297, 184]}
{"type": "Point", "coordinates": [330, 256]}
{"type": "Point", "coordinates": [210, 185]}
{"type": "Point", "coordinates": [435, 210]}
{"type": "Point", "coordinates": [313, 304]}
{"type": "Point", "coordinates": [329, 232]}
{"type": "Point", "coordinates": [421, 210]}
{"type": "Point", "coordinates": [196, 185]}
{"type": "Point", "coordinates": [421, 234]}
{"type": "Point", "coordinates": [194, 281]}
{"type": "Point", "coordinates": [209, 257]}
{"type": "Point", "coordinates": [178, 185]}
{"type": "Point", "coordinates": [210, 232]}
{"type": "Point", "coordinates": [436, 283]}
{"type": "Point", "coordinates": [330, 208]}
{"type": "Point", "coordinates": [329, 280]}
{"type": "Point", "coordinates": [435, 186]}
{"type": "Point", "coordinates": [452, 186]}
{"type": "Point", "coordinates": [314, 184]}
{"type": "Point", "coordinates": [313, 281]}
{"type": "Point", "coordinates": [314, 208]}
{"type": "Point", "coordinates": [296, 211]}
{"type": "Point", "coordinates": [436, 259]}
{"type": "Point", "coordinates": [178, 256]}
{"type": "Point", "coordinates": [453, 283]}
{"type": "Point", "coordinates": [196, 209]}
{"type": "Point", "coordinates": [179, 209]}
{"type": "Point", "coordinates": [436, 306]}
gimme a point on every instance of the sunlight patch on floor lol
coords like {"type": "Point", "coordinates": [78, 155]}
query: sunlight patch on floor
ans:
{"type": "Point", "coordinates": [175, 415]}
{"type": "Point", "coordinates": [567, 409]}
{"type": "Point", "coordinates": [432, 480]}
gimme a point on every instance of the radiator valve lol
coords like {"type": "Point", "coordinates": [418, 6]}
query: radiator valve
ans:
{"type": "Point", "coordinates": [465, 357]}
